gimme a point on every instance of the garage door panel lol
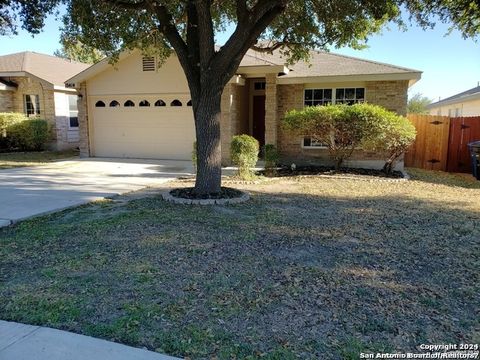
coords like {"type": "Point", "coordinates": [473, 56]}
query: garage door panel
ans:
{"type": "Point", "coordinates": [151, 132]}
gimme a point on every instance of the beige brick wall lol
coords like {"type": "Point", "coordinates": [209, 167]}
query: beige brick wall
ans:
{"type": "Point", "coordinates": [389, 94]}
{"type": "Point", "coordinates": [271, 111]}
{"type": "Point", "coordinates": [392, 95]}
{"type": "Point", "coordinates": [6, 101]}
{"type": "Point", "coordinates": [35, 86]}
{"type": "Point", "coordinates": [83, 126]}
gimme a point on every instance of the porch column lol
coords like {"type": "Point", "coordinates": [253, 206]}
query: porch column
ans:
{"type": "Point", "coordinates": [271, 124]}
{"type": "Point", "coordinates": [83, 121]}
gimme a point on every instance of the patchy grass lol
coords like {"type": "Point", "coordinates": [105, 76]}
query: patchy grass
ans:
{"type": "Point", "coordinates": [310, 268]}
{"type": "Point", "coordinates": [20, 159]}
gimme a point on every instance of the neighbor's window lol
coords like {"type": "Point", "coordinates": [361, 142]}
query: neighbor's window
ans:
{"type": "Point", "coordinates": [259, 85]}
{"type": "Point", "coordinates": [32, 105]}
{"type": "Point", "coordinates": [314, 97]}
{"type": "Point", "coordinates": [349, 96]}
{"type": "Point", "coordinates": [73, 111]}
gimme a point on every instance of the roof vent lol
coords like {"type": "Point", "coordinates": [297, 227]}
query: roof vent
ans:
{"type": "Point", "coordinates": [148, 63]}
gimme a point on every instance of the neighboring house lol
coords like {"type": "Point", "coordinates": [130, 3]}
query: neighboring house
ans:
{"type": "Point", "coordinates": [135, 109]}
{"type": "Point", "coordinates": [465, 104]}
{"type": "Point", "coordinates": [34, 84]}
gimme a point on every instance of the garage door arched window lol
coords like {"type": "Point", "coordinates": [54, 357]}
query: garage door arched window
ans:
{"type": "Point", "coordinates": [176, 102]}
{"type": "Point", "coordinates": [189, 103]}
{"type": "Point", "coordinates": [114, 103]}
{"type": "Point", "coordinates": [144, 103]}
{"type": "Point", "coordinates": [129, 103]}
{"type": "Point", "coordinates": [99, 103]}
{"type": "Point", "coordinates": [160, 103]}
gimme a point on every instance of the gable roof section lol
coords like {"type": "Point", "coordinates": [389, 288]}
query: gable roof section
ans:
{"type": "Point", "coordinates": [52, 69]}
{"type": "Point", "coordinates": [323, 66]}
{"type": "Point", "coordinates": [471, 94]}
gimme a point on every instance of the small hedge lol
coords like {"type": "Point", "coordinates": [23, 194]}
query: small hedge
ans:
{"type": "Point", "coordinates": [17, 132]}
{"type": "Point", "coordinates": [271, 159]}
{"type": "Point", "coordinates": [244, 154]}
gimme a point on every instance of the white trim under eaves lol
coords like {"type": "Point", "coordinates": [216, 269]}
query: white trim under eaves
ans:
{"type": "Point", "coordinates": [458, 100]}
{"type": "Point", "coordinates": [412, 77]}
{"type": "Point", "coordinates": [58, 88]}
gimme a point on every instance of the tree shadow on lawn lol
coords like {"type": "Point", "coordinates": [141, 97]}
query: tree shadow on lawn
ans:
{"type": "Point", "coordinates": [280, 277]}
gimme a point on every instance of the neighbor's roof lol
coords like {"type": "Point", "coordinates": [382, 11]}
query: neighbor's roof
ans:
{"type": "Point", "coordinates": [471, 94]}
{"type": "Point", "coordinates": [52, 69]}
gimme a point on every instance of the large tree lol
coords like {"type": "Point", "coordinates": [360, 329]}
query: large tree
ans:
{"type": "Point", "coordinates": [73, 49]}
{"type": "Point", "coordinates": [188, 27]}
{"type": "Point", "coordinates": [417, 104]}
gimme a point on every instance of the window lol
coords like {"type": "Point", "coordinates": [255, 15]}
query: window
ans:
{"type": "Point", "coordinates": [144, 103]}
{"type": "Point", "coordinates": [160, 103]}
{"type": "Point", "coordinates": [189, 103]}
{"type": "Point", "coordinates": [99, 103]}
{"type": "Point", "coordinates": [259, 85]}
{"type": "Point", "coordinates": [72, 111]}
{"type": "Point", "coordinates": [148, 63]}
{"type": "Point", "coordinates": [176, 102]}
{"type": "Point", "coordinates": [114, 103]}
{"type": "Point", "coordinates": [309, 142]}
{"type": "Point", "coordinates": [349, 96]}
{"type": "Point", "coordinates": [32, 105]}
{"type": "Point", "coordinates": [314, 97]}
{"type": "Point", "coordinates": [129, 103]}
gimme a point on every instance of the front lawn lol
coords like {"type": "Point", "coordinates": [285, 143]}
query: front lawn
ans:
{"type": "Point", "coordinates": [310, 268]}
{"type": "Point", "coordinates": [20, 159]}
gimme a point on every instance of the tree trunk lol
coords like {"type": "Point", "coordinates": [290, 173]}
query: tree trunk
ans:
{"type": "Point", "coordinates": [207, 114]}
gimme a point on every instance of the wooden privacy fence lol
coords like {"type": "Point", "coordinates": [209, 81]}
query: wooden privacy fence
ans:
{"type": "Point", "coordinates": [441, 142]}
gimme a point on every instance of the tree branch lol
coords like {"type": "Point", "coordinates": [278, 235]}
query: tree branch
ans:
{"type": "Point", "coordinates": [206, 36]}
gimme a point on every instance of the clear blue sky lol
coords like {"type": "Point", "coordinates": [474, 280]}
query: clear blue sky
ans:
{"type": "Point", "coordinates": [449, 63]}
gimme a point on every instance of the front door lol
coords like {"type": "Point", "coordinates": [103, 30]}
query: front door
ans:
{"type": "Point", "coordinates": [259, 119]}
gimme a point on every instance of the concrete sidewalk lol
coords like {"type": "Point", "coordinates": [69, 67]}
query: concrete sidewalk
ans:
{"type": "Point", "coordinates": [27, 342]}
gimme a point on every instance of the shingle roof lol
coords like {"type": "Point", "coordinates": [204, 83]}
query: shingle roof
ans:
{"type": "Point", "coordinates": [327, 64]}
{"type": "Point", "coordinates": [53, 69]}
{"type": "Point", "coordinates": [460, 96]}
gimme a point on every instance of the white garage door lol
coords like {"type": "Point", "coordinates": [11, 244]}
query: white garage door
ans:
{"type": "Point", "coordinates": [153, 127]}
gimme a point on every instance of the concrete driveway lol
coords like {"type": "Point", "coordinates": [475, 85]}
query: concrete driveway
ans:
{"type": "Point", "coordinates": [31, 191]}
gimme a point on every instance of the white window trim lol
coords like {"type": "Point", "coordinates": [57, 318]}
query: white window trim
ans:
{"type": "Point", "coordinates": [334, 101]}
{"type": "Point", "coordinates": [69, 115]}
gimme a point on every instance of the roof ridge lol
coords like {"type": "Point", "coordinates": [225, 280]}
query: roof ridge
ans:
{"type": "Point", "coordinates": [367, 60]}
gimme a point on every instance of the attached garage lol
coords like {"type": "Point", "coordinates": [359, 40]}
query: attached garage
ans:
{"type": "Point", "coordinates": [131, 126]}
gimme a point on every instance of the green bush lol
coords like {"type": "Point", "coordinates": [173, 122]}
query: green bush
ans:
{"type": "Point", "coordinates": [341, 128]}
{"type": "Point", "coordinates": [29, 135]}
{"type": "Point", "coordinates": [7, 120]}
{"type": "Point", "coordinates": [271, 159]}
{"type": "Point", "coordinates": [244, 153]}
{"type": "Point", "coordinates": [393, 135]}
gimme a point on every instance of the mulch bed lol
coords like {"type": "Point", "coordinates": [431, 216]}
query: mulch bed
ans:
{"type": "Point", "coordinates": [330, 170]}
{"type": "Point", "coordinates": [188, 193]}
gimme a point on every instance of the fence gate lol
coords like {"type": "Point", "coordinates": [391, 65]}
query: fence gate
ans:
{"type": "Point", "coordinates": [430, 149]}
{"type": "Point", "coordinates": [463, 130]}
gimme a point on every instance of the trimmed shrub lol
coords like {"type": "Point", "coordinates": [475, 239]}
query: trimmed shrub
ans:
{"type": "Point", "coordinates": [244, 154]}
{"type": "Point", "coordinates": [271, 159]}
{"type": "Point", "coordinates": [29, 135]}
{"type": "Point", "coordinates": [393, 136]}
{"type": "Point", "coordinates": [7, 120]}
{"type": "Point", "coordinates": [341, 128]}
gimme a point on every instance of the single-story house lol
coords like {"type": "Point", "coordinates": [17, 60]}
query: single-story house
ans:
{"type": "Point", "coordinates": [464, 104]}
{"type": "Point", "coordinates": [137, 109]}
{"type": "Point", "coordinates": [34, 84]}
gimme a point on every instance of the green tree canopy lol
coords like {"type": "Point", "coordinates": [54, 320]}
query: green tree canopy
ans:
{"type": "Point", "coordinates": [188, 27]}
{"type": "Point", "coordinates": [417, 104]}
{"type": "Point", "coordinates": [73, 49]}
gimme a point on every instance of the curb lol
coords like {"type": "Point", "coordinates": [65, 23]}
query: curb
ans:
{"type": "Point", "coordinates": [176, 200]}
